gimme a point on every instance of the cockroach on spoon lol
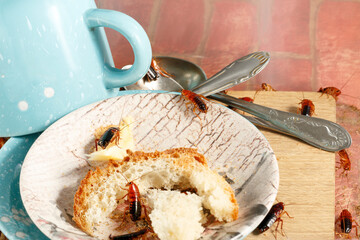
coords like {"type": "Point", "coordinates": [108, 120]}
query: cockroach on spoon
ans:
{"type": "Point", "coordinates": [155, 70]}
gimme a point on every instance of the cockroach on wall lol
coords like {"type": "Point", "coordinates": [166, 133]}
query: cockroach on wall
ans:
{"type": "Point", "coordinates": [345, 162]}
{"type": "Point", "coordinates": [267, 87]}
{"type": "Point", "coordinates": [346, 224]}
{"type": "Point", "coordinates": [332, 91]}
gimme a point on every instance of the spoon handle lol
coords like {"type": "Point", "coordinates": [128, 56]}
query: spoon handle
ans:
{"type": "Point", "coordinates": [241, 70]}
{"type": "Point", "coordinates": [318, 132]}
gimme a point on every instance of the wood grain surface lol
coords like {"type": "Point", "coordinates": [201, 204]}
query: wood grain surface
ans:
{"type": "Point", "coordinates": [307, 180]}
{"type": "Point", "coordinates": [307, 174]}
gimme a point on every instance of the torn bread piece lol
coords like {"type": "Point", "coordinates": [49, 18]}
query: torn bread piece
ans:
{"type": "Point", "coordinates": [180, 169]}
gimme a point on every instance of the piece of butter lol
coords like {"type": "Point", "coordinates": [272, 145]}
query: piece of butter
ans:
{"type": "Point", "coordinates": [116, 150]}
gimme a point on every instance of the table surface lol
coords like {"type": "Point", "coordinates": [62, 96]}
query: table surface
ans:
{"type": "Point", "coordinates": [307, 174]}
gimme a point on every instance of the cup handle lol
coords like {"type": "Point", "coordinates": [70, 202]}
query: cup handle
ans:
{"type": "Point", "coordinates": [137, 37]}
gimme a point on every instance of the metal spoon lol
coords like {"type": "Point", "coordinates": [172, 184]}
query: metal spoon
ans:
{"type": "Point", "coordinates": [237, 72]}
{"type": "Point", "coordinates": [317, 132]}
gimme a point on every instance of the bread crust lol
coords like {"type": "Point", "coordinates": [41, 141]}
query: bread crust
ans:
{"type": "Point", "coordinates": [177, 158]}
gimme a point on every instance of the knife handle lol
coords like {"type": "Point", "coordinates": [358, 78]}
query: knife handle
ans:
{"type": "Point", "coordinates": [318, 132]}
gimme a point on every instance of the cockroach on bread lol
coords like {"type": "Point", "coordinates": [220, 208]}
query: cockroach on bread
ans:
{"type": "Point", "coordinates": [307, 108]}
{"type": "Point", "coordinates": [195, 99]}
{"type": "Point", "coordinates": [134, 199]}
{"type": "Point", "coordinates": [346, 224]}
{"type": "Point", "coordinates": [272, 217]}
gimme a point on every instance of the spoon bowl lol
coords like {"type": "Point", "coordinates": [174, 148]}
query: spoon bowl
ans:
{"type": "Point", "coordinates": [187, 74]}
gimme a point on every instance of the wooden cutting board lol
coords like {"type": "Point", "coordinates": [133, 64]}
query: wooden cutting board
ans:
{"type": "Point", "coordinates": [307, 174]}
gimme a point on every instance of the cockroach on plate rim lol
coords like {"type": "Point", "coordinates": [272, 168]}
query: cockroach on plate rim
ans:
{"type": "Point", "coordinates": [196, 99]}
{"type": "Point", "coordinates": [273, 216]}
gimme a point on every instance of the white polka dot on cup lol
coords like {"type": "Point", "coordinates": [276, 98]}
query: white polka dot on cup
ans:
{"type": "Point", "coordinates": [49, 92]}
{"type": "Point", "coordinates": [23, 105]}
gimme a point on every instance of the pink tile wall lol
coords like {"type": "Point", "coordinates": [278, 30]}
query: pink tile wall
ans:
{"type": "Point", "coordinates": [313, 43]}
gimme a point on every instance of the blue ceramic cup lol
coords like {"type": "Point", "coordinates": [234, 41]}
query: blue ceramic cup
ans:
{"type": "Point", "coordinates": [54, 58]}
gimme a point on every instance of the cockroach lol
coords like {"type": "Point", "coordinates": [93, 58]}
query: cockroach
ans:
{"type": "Point", "coordinates": [307, 108]}
{"type": "Point", "coordinates": [110, 135]}
{"type": "Point", "coordinates": [195, 99]}
{"type": "Point", "coordinates": [129, 236]}
{"type": "Point", "coordinates": [155, 70]}
{"type": "Point", "coordinates": [273, 216]}
{"type": "Point", "coordinates": [332, 91]}
{"type": "Point", "coordinates": [267, 87]}
{"type": "Point", "coordinates": [248, 99]}
{"type": "Point", "coordinates": [346, 224]}
{"type": "Point", "coordinates": [134, 199]}
{"type": "Point", "coordinates": [2, 141]}
{"type": "Point", "coordinates": [345, 162]}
